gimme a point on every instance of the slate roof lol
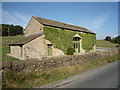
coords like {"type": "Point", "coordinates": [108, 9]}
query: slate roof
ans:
{"type": "Point", "coordinates": [61, 25]}
{"type": "Point", "coordinates": [26, 39]}
{"type": "Point", "coordinates": [52, 23]}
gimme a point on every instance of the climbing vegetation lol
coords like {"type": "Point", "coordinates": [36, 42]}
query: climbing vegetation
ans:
{"type": "Point", "coordinates": [63, 38]}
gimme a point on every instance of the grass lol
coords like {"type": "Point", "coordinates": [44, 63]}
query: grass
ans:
{"type": "Point", "coordinates": [106, 44]}
{"type": "Point", "coordinates": [5, 46]}
{"type": "Point", "coordinates": [34, 79]}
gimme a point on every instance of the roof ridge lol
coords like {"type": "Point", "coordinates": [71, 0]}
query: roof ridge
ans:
{"type": "Point", "coordinates": [49, 22]}
{"type": "Point", "coordinates": [60, 22]}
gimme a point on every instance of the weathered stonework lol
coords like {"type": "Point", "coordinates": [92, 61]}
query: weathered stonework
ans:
{"type": "Point", "coordinates": [35, 49]}
{"type": "Point", "coordinates": [33, 27]}
{"type": "Point", "coordinates": [55, 62]}
{"type": "Point", "coordinates": [82, 51]}
{"type": "Point", "coordinates": [57, 52]}
{"type": "Point", "coordinates": [15, 51]}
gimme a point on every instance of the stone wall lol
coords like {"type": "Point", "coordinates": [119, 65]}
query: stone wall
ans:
{"type": "Point", "coordinates": [35, 49]}
{"type": "Point", "coordinates": [54, 62]}
{"type": "Point", "coordinates": [33, 27]}
{"type": "Point", "coordinates": [15, 51]}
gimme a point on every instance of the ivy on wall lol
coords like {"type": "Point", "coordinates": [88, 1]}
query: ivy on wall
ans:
{"type": "Point", "coordinates": [63, 39]}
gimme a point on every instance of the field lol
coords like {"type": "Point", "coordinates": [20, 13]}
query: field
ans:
{"type": "Point", "coordinates": [106, 44]}
{"type": "Point", "coordinates": [5, 46]}
{"type": "Point", "coordinates": [11, 39]}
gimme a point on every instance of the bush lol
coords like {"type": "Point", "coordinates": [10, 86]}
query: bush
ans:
{"type": "Point", "coordinates": [13, 76]}
{"type": "Point", "coordinates": [70, 51]}
{"type": "Point", "coordinates": [108, 38]}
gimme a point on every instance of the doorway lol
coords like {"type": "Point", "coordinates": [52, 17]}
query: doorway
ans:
{"type": "Point", "coordinates": [49, 49]}
{"type": "Point", "coordinates": [76, 44]}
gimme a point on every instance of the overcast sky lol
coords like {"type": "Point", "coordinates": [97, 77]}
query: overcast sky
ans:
{"type": "Point", "coordinates": [99, 17]}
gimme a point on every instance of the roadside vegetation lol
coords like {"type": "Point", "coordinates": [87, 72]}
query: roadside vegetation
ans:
{"type": "Point", "coordinates": [12, 79]}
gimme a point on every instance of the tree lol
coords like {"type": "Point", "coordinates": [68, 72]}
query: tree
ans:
{"type": "Point", "coordinates": [11, 30]}
{"type": "Point", "coordinates": [113, 40]}
{"type": "Point", "coordinates": [108, 38]}
{"type": "Point", "coordinates": [118, 39]}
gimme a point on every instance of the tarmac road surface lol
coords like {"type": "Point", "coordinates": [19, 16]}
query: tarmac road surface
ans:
{"type": "Point", "coordinates": [105, 76]}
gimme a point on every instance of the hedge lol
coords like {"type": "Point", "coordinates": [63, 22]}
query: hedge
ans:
{"type": "Point", "coordinates": [63, 38]}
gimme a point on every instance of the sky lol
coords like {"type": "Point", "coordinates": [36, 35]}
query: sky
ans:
{"type": "Point", "coordinates": [99, 17]}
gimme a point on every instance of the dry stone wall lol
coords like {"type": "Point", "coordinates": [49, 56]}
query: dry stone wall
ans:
{"type": "Point", "coordinates": [54, 62]}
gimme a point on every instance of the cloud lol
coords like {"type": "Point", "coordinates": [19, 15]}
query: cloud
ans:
{"type": "Point", "coordinates": [15, 18]}
{"type": "Point", "coordinates": [100, 20]}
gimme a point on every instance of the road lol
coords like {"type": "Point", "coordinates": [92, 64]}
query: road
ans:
{"type": "Point", "coordinates": [105, 49]}
{"type": "Point", "coordinates": [105, 76]}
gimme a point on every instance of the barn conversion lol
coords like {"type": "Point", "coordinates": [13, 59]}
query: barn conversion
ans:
{"type": "Point", "coordinates": [44, 38]}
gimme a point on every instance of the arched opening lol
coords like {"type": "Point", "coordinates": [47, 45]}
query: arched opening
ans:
{"type": "Point", "coordinates": [76, 43]}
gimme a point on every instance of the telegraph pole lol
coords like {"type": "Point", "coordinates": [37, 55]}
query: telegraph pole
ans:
{"type": "Point", "coordinates": [8, 32]}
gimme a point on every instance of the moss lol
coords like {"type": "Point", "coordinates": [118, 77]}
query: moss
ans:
{"type": "Point", "coordinates": [62, 38]}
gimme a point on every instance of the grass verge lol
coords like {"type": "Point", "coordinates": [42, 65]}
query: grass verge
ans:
{"type": "Point", "coordinates": [33, 79]}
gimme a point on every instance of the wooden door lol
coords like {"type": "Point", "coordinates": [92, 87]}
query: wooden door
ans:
{"type": "Point", "coordinates": [49, 49]}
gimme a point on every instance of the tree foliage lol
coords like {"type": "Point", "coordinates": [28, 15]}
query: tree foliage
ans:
{"type": "Point", "coordinates": [11, 30]}
{"type": "Point", "coordinates": [108, 38]}
{"type": "Point", "coordinates": [116, 40]}
{"type": "Point", "coordinates": [113, 40]}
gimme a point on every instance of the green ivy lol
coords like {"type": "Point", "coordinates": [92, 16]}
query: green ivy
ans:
{"type": "Point", "coordinates": [70, 51]}
{"type": "Point", "coordinates": [63, 38]}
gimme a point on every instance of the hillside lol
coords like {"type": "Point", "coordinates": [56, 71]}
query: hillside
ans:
{"type": "Point", "coordinates": [106, 44]}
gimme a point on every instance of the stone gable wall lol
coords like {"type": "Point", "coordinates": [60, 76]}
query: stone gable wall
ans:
{"type": "Point", "coordinates": [15, 51]}
{"type": "Point", "coordinates": [35, 49]}
{"type": "Point", "coordinates": [33, 27]}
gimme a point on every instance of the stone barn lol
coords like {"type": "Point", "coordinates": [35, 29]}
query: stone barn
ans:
{"type": "Point", "coordinates": [46, 38]}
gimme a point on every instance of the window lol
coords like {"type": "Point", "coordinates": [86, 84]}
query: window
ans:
{"type": "Point", "coordinates": [76, 39]}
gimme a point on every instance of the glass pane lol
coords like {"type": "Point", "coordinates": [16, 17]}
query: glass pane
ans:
{"type": "Point", "coordinates": [76, 39]}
